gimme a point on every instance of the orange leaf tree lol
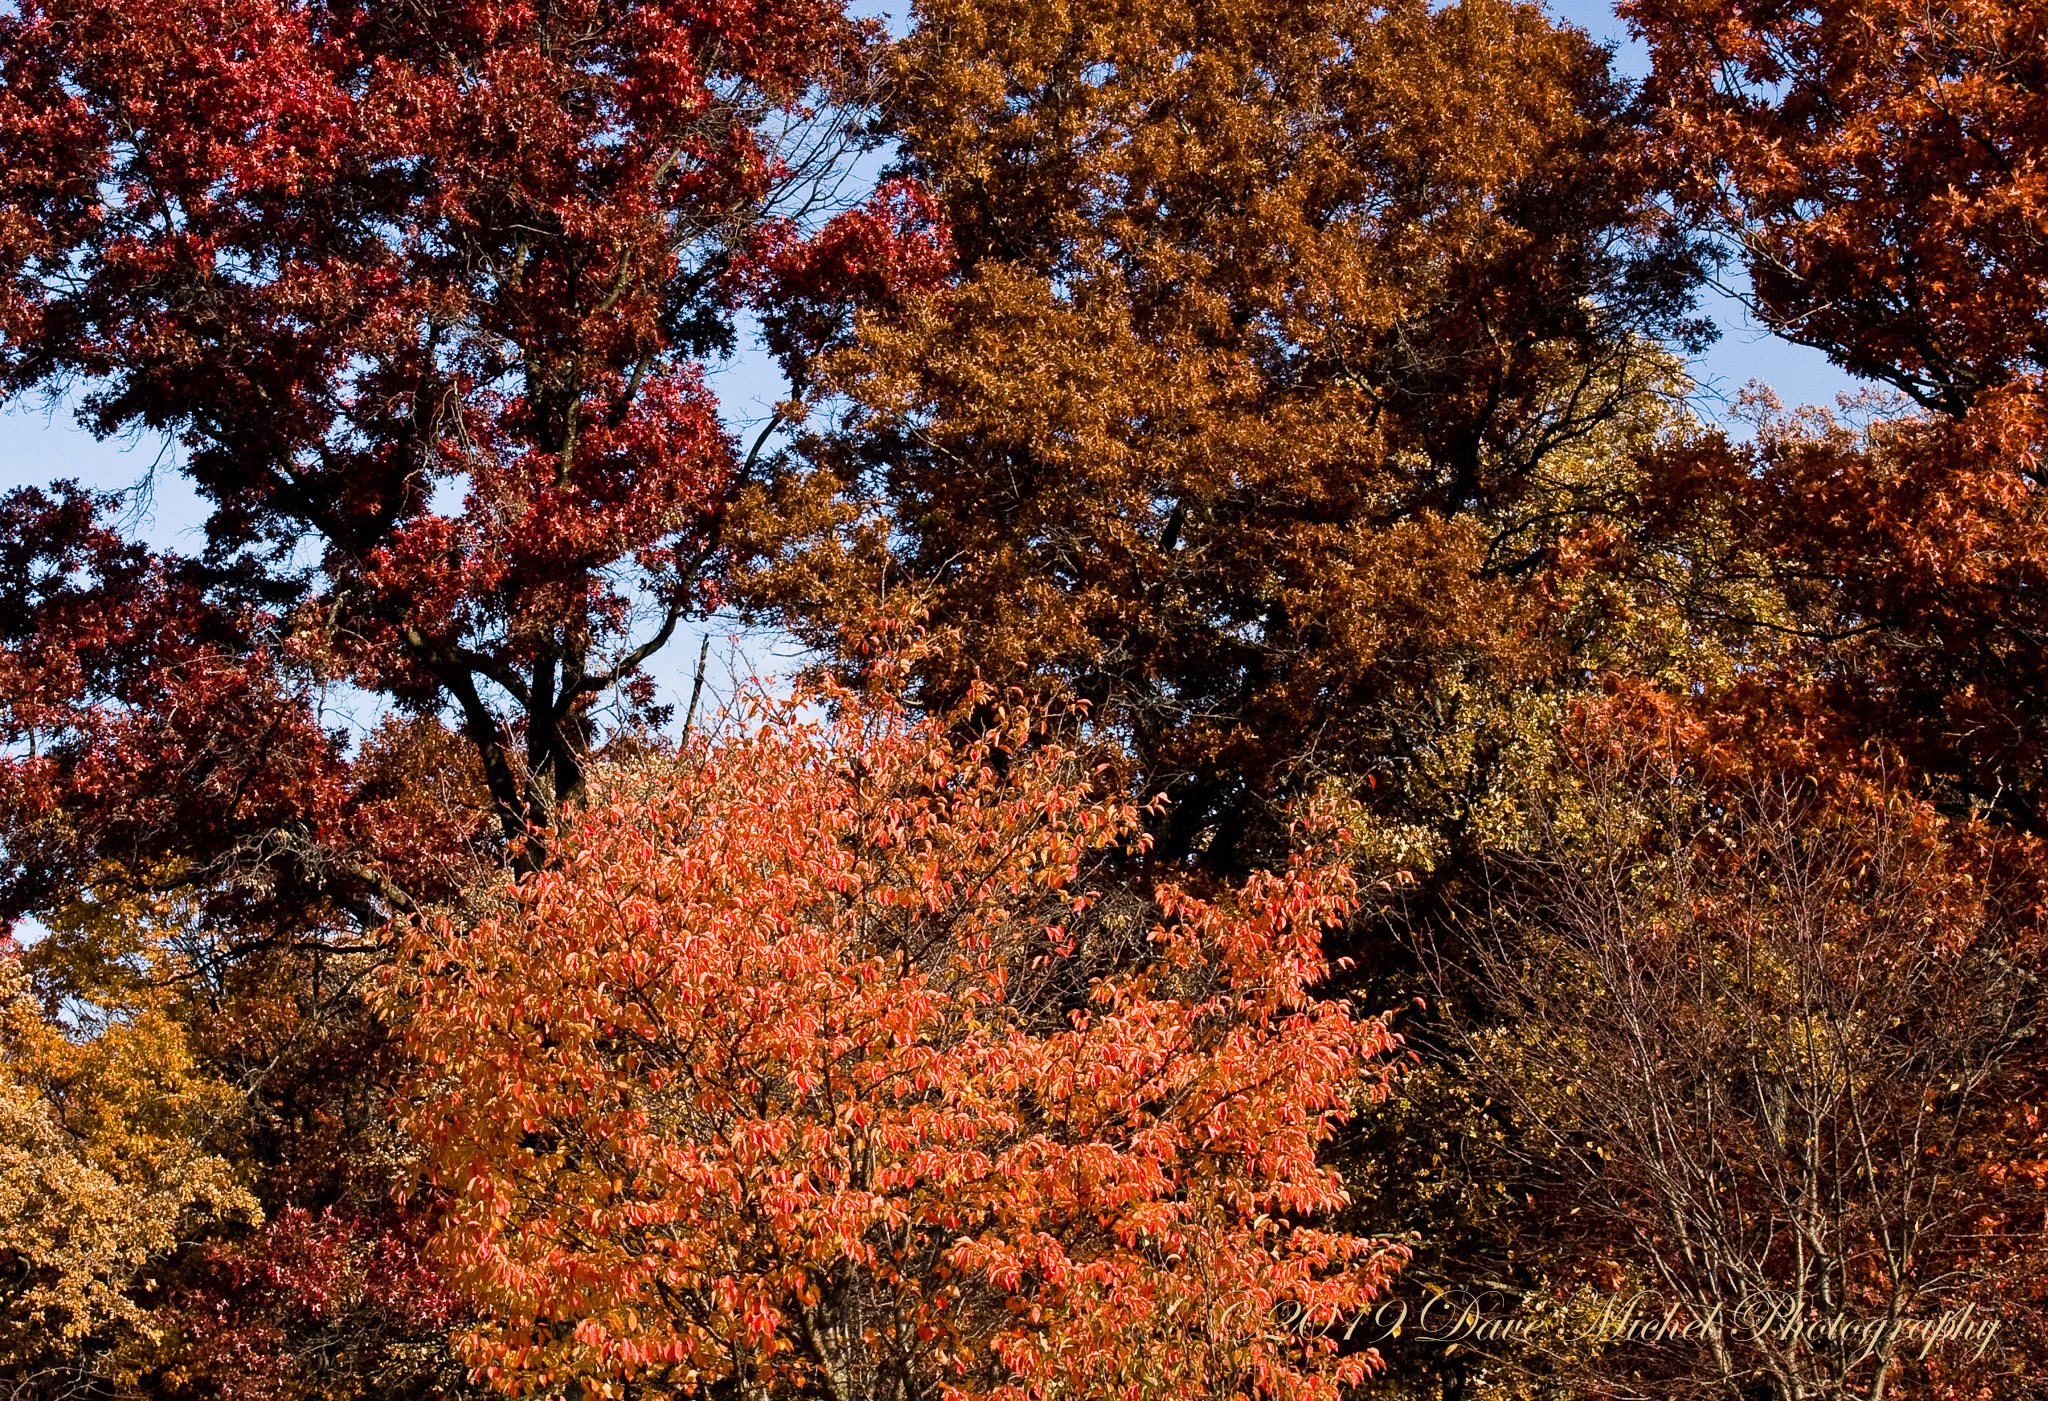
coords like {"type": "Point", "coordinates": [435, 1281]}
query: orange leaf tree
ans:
{"type": "Point", "coordinates": [816, 1060]}
{"type": "Point", "coordinates": [1912, 564]}
{"type": "Point", "coordinates": [1285, 340]}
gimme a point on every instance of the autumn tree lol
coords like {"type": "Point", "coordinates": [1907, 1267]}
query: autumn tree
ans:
{"type": "Point", "coordinates": [1884, 567]}
{"type": "Point", "coordinates": [820, 1060]}
{"type": "Point", "coordinates": [1277, 335]}
{"type": "Point", "coordinates": [1873, 169]}
{"type": "Point", "coordinates": [1875, 165]}
{"type": "Point", "coordinates": [1293, 392]}
{"type": "Point", "coordinates": [178, 1100]}
{"type": "Point", "coordinates": [422, 296]}
{"type": "Point", "coordinates": [158, 732]}
{"type": "Point", "coordinates": [109, 1169]}
{"type": "Point", "coordinates": [1774, 1025]}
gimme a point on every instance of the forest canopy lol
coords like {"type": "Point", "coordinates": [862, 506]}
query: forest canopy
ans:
{"type": "Point", "coordinates": [1341, 825]}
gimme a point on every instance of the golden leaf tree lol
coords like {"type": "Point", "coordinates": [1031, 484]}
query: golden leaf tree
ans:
{"type": "Point", "coordinates": [1257, 399]}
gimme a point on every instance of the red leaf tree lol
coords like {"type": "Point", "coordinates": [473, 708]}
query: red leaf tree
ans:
{"type": "Point", "coordinates": [816, 1057]}
{"type": "Point", "coordinates": [423, 293]}
{"type": "Point", "coordinates": [157, 731]}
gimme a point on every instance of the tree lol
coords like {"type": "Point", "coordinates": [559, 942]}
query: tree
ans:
{"type": "Point", "coordinates": [1877, 165]}
{"type": "Point", "coordinates": [1770, 1017]}
{"type": "Point", "coordinates": [198, 845]}
{"type": "Point", "coordinates": [422, 294]}
{"type": "Point", "coordinates": [108, 1170]}
{"type": "Point", "coordinates": [159, 733]}
{"type": "Point", "coordinates": [1890, 572]}
{"type": "Point", "coordinates": [167, 1098]}
{"type": "Point", "coordinates": [1259, 394]}
{"type": "Point", "coordinates": [320, 1304]}
{"type": "Point", "coordinates": [818, 1060]}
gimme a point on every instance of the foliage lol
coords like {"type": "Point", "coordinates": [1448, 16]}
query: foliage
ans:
{"type": "Point", "coordinates": [1900, 561]}
{"type": "Point", "coordinates": [419, 297]}
{"type": "Point", "coordinates": [1768, 1021]}
{"type": "Point", "coordinates": [313, 1306]}
{"type": "Point", "coordinates": [1878, 165]}
{"type": "Point", "coordinates": [820, 1062]}
{"type": "Point", "coordinates": [106, 1174]}
{"type": "Point", "coordinates": [1267, 322]}
{"type": "Point", "coordinates": [422, 293]}
{"type": "Point", "coordinates": [1296, 395]}
{"type": "Point", "coordinates": [164, 737]}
